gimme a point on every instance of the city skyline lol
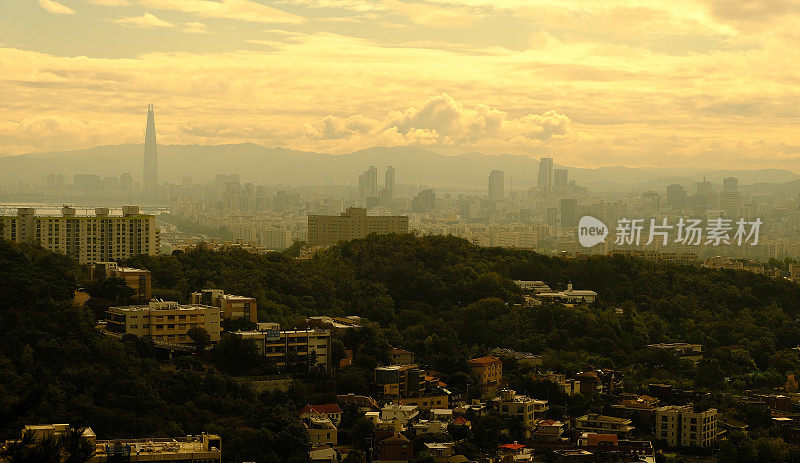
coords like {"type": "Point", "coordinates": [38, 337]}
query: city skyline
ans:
{"type": "Point", "coordinates": [698, 84]}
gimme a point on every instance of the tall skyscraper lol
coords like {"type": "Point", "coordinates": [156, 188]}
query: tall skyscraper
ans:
{"type": "Point", "coordinates": [560, 179]}
{"type": "Point", "coordinates": [730, 184]}
{"type": "Point", "coordinates": [496, 186]}
{"type": "Point", "coordinates": [368, 183]}
{"type": "Point", "coordinates": [546, 174]}
{"type": "Point", "coordinates": [150, 172]}
{"type": "Point", "coordinates": [569, 212]}
{"type": "Point", "coordinates": [389, 182]}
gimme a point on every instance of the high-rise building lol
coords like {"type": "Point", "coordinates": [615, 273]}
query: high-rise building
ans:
{"type": "Point", "coordinates": [352, 224]}
{"type": "Point", "coordinates": [368, 185]}
{"type": "Point", "coordinates": [676, 196]}
{"type": "Point", "coordinates": [569, 212]}
{"type": "Point", "coordinates": [546, 174]}
{"type": "Point", "coordinates": [389, 182]}
{"type": "Point", "coordinates": [89, 239]}
{"type": "Point", "coordinates": [730, 184]}
{"type": "Point", "coordinates": [496, 186]}
{"type": "Point", "coordinates": [560, 179]}
{"type": "Point", "coordinates": [150, 171]}
{"type": "Point", "coordinates": [424, 201]}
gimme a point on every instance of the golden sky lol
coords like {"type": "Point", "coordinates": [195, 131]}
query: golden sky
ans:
{"type": "Point", "coordinates": [703, 83]}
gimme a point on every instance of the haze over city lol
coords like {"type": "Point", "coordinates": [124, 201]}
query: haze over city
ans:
{"type": "Point", "coordinates": [697, 84]}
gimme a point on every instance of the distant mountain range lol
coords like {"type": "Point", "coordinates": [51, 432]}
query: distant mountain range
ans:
{"type": "Point", "coordinates": [415, 165]}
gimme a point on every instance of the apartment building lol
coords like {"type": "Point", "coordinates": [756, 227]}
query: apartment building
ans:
{"type": "Point", "coordinates": [489, 370]}
{"type": "Point", "coordinates": [202, 448]}
{"type": "Point", "coordinates": [231, 306]}
{"type": "Point", "coordinates": [89, 239]}
{"type": "Point", "coordinates": [602, 424]}
{"type": "Point", "coordinates": [681, 426]}
{"type": "Point", "coordinates": [164, 320]}
{"type": "Point", "coordinates": [401, 356]}
{"type": "Point", "coordinates": [324, 230]}
{"type": "Point", "coordinates": [528, 410]}
{"type": "Point", "coordinates": [136, 278]}
{"type": "Point", "coordinates": [320, 427]}
{"type": "Point", "coordinates": [399, 380]}
{"type": "Point", "coordinates": [277, 345]}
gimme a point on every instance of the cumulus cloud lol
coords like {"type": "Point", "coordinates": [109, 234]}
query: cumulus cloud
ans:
{"type": "Point", "coordinates": [55, 7]}
{"type": "Point", "coordinates": [442, 120]}
{"type": "Point", "coordinates": [110, 2]}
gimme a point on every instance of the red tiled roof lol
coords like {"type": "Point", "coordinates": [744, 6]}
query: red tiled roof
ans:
{"type": "Point", "coordinates": [594, 439]}
{"type": "Point", "coordinates": [511, 446]}
{"type": "Point", "coordinates": [461, 421]}
{"type": "Point", "coordinates": [484, 361]}
{"type": "Point", "coordinates": [397, 350]}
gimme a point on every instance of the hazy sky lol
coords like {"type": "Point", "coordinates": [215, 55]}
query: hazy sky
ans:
{"type": "Point", "coordinates": [703, 83]}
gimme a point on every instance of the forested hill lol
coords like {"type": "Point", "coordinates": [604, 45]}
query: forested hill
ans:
{"type": "Point", "coordinates": [446, 299]}
{"type": "Point", "coordinates": [55, 367]}
{"type": "Point", "coordinates": [440, 297]}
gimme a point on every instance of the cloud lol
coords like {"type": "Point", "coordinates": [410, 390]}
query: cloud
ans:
{"type": "Point", "coordinates": [442, 120]}
{"type": "Point", "coordinates": [243, 10]}
{"type": "Point", "coordinates": [150, 21]}
{"type": "Point", "coordinates": [110, 2]}
{"type": "Point", "coordinates": [55, 7]}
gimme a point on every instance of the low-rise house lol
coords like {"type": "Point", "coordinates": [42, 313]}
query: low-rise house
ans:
{"type": "Point", "coordinates": [440, 449]}
{"type": "Point", "coordinates": [442, 414]}
{"type": "Point", "coordinates": [426, 402]}
{"type": "Point", "coordinates": [324, 455]}
{"type": "Point", "coordinates": [362, 403]}
{"type": "Point", "coordinates": [461, 421]}
{"type": "Point", "coordinates": [548, 430]}
{"type": "Point", "coordinates": [602, 424]}
{"type": "Point", "coordinates": [401, 413]}
{"type": "Point", "coordinates": [488, 370]}
{"type": "Point", "coordinates": [397, 448]}
{"type": "Point", "coordinates": [429, 427]}
{"type": "Point", "coordinates": [321, 430]}
{"type": "Point", "coordinates": [330, 411]}
{"type": "Point", "coordinates": [401, 356]}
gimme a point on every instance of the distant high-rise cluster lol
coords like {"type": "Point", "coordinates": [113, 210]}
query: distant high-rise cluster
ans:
{"type": "Point", "coordinates": [368, 191]}
{"type": "Point", "coordinates": [150, 168]}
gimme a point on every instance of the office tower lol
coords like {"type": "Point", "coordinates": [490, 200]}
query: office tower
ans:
{"type": "Point", "coordinates": [676, 196]}
{"type": "Point", "coordinates": [703, 188]}
{"type": "Point", "coordinates": [560, 179]}
{"type": "Point", "coordinates": [424, 202]}
{"type": "Point", "coordinates": [351, 224]}
{"type": "Point", "coordinates": [368, 183]}
{"type": "Point", "coordinates": [89, 239]}
{"type": "Point", "coordinates": [569, 212]}
{"type": "Point", "coordinates": [150, 171]}
{"type": "Point", "coordinates": [730, 201]}
{"type": "Point", "coordinates": [552, 217]}
{"type": "Point", "coordinates": [730, 184]}
{"type": "Point", "coordinates": [546, 174]}
{"type": "Point", "coordinates": [126, 181]}
{"type": "Point", "coordinates": [496, 186]}
{"type": "Point", "coordinates": [389, 183]}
